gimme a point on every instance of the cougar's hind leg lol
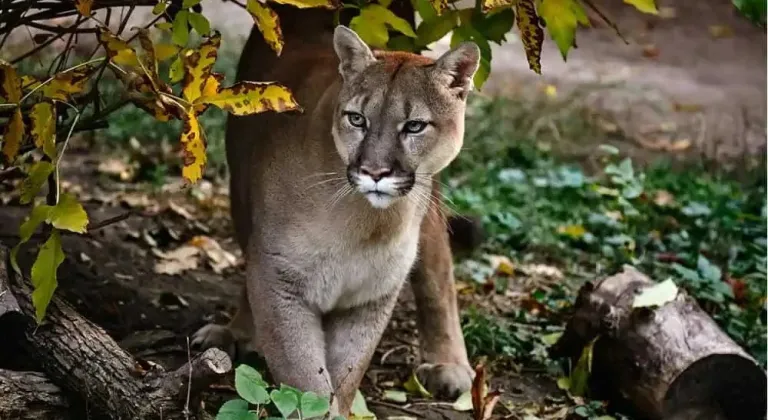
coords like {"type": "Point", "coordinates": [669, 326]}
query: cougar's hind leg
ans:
{"type": "Point", "coordinates": [445, 369]}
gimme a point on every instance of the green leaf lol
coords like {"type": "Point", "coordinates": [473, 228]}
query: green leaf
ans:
{"type": "Point", "coordinates": [176, 70]}
{"type": "Point", "coordinates": [38, 215]}
{"type": "Point", "coordinates": [180, 30]}
{"type": "Point", "coordinates": [414, 386]}
{"type": "Point", "coordinates": [69, 214]}
{"type": "Point", "coordinates": [656, 295]}
{"type": "Point", "coordinates": [464, 402]}
{"type": "Point", "coordinates": [250, 385]}
{"type": "Point", "coordinates": [496, 25]}
{"type": "Point", "coordinates": [691, 276]}
{"type": "Point", "coordinates": [186, 4]}
{"type": "Point", "coordinates": [562, 17]}
{"type": "Point", "coordinates": [199, 23]}
{"type": "Point", "coordinates": [43, 274]}
{"type": "Point", "coordinates": [395, 395]}
{"type": "Point", "coordinates": [433, 30]}
{"type": "Point", "coordinates": [285, 400]}
{"type": "Point", "coordinates": [235, 410]}
{"type": "Point", "coordinates": [372, 33]}
{"type": "Point", "coordinates": [402, 43]}
{"type": "Point", "coordinates": [372, 25]}
{"type": "Point", "coordinates": [34, 182]}
{"type": "Point", "coordinates": [645, 6]}
{"type": "Point", "coordinates": [159, 8]}
{"type": "Point", "coordinates": [708, 270]}
{"type": "Point", "coordinates": [313, 405]}
{"type": "Point", "coordinates": [425, 10]}
{"type": "Point", "coordinates": [579, 380]}
{"type": "Point", "coordinates": [360, 409]}
{"type": "Point", "coordinates": [466, 32]}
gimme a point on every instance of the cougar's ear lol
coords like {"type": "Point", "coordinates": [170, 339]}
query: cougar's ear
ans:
{"type": "Point", "coordinates": [354, 55]}
{"type": "Point", "coordinates": [458, 66]}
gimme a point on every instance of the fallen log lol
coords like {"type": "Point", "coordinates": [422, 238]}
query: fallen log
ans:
{"type": "Point", "coordinates": [79, 357]}
{"type": "Point", "coordinates": [670, 361]}
{"type": "Point", "coordinates": [31, 396]}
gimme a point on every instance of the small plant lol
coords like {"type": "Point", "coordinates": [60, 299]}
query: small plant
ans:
{"type": "Point", "coordinates": [257, 397]}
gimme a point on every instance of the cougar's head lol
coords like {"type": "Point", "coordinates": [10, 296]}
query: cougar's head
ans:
{"type": "Point", "coordinates": [400, 116]}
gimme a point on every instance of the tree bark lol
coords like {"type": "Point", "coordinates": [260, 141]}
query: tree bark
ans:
{"type": "Point", "coordinates": [667, 362]}
{"type": "Point", "coordinates": [30, 396]}
{"type": "Point", "coordinates": [81, 358]}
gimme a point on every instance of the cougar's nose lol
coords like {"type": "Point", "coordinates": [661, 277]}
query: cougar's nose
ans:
{"type": "Point", "coordinates": [376, 174]}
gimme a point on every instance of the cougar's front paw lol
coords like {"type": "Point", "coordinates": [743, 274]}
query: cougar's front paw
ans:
{"type": "Point", "coordinates": [445, 380]}
{"type": "Point", "coordinates": [214, 335]}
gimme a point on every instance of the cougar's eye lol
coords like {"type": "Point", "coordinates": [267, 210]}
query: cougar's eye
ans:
{"type": "Point", "coordinates": [414, 126]}
{"type": "Point", "coordinates": [356, 119]}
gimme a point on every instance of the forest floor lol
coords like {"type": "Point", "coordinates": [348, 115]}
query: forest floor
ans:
{"type": "Point", "coordinates": [551, 223]}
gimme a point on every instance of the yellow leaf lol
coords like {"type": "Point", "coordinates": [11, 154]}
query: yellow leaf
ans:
{"type": "Point", "coordinates": [69, 214]}
{"type": "Point", "coordinates": [562, 17]}
{"type": "Point", "coordinates": [210, 89]}
{"type": "Point", "coordinates": [550, 91]}
{"type": "Point", "coordinates": [645, 6]}
{"type": "Point", "coordinates": [34, 182]}
{"type": "Point", "coordinates": [84, 7]}
{"type": "Point", "coordinates": [117, 50]}
{"type": "Point", "coordinates": [198, 64]}
{"type": "Point", "coordinates": [489, 5]}
{"type": "Point", "coordinates": [193, 148]}
{"type": "Point", "coordinates": [439, 5]}
{"type": "Point", "coordinates": [149, 62]}
{"type": "Point", "coordinates": [13, 134]}
{"type": "Point", "coordinates": [66, 83]}
{"type": "Point", "coordinates": [43, 274]}
{"type": "Point", "coordinates": [246, 98]}
{"type": "Point", "coordinates": [530, 31]}
{"type": "Point", "coordinates": [303, 4]}
{"type": "Point", "coordinates": [502, 264]}
{"type": "Point", "coordinates": [10, 88]}
{"type": "Point", "coordinates": [165, 51]}
{"type": "Point", "coordinates": [573, 231]}
{"type": "Point", "coordinates": [29, 82]}
{"type": "Point", "coordinates": [268, 23]}
{"type": "Point", "coordinates": [43, 127]}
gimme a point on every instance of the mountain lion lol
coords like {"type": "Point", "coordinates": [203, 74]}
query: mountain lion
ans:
{"type": "Point", "coordinates": [336, 206]}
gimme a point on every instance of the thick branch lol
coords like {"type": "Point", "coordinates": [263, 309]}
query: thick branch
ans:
{"type": "Point", "coordinates": [30, 396]}
{"type": "Point", "coordinates": [81, 358]}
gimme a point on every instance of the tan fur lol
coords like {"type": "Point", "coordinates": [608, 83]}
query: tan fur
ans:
{"type": "Point", "coordinates": [328, 242]}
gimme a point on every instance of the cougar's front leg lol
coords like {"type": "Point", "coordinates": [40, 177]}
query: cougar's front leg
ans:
{"type": "Point", "coordinates": [290, 333]}
{"type": "Point", "coordinates": [351, 338]}
{"type": "Point", "coordinates": [445, 369]}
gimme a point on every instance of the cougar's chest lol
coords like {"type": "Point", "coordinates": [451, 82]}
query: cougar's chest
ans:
{"type": "Point", "coordinates": [345, 272]}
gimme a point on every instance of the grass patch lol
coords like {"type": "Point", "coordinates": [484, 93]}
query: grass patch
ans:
{"type": "Point", "coordinates": [704, 230]}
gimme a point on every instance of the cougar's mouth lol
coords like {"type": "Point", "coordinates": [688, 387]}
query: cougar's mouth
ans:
{"type": "Point", "coordinates": [381, 192]}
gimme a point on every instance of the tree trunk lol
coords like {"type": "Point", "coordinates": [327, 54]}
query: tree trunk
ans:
{"type": "Point", "coordinates": [667, 362]}
{"type": "Point", "coordinates": [81, 358]}
{"type": "Point", "coordinates": [30, 396]}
